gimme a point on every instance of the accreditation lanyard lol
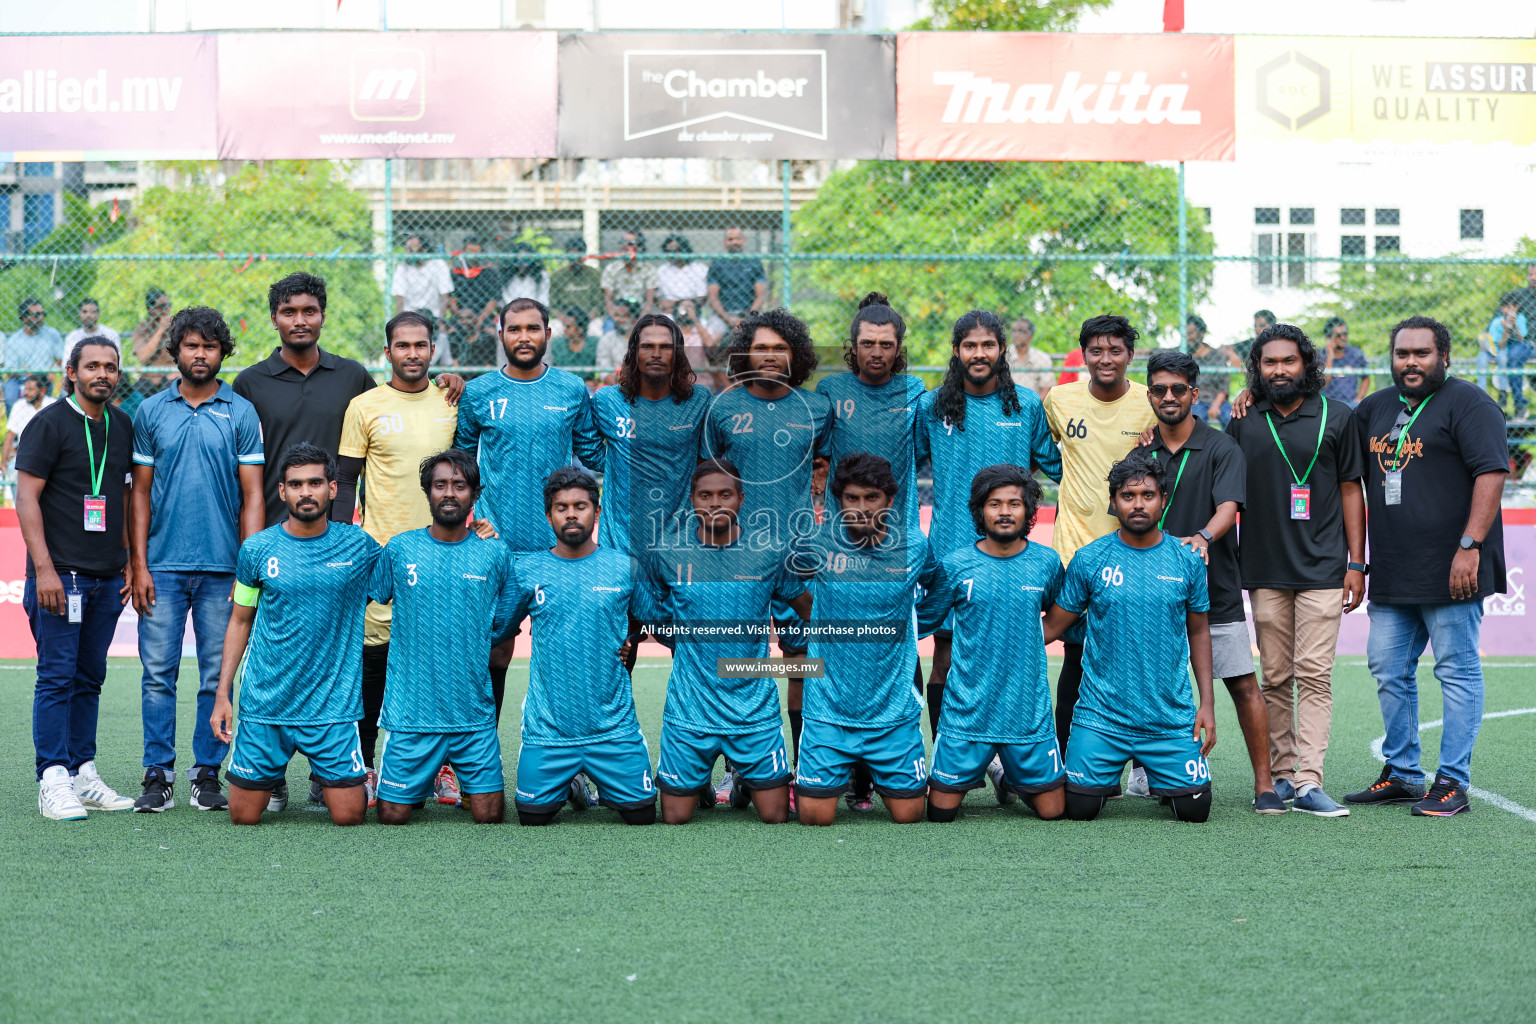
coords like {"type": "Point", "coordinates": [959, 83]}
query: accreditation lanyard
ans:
{"type": "Point", "coordinates": [95, 503]}
{"type": "Point", "coordinates": [1174, 490]}
{"type": "Point", "coordinates": [1301, 491]}
{"type": "Point", "coordinates": [1394, 477]}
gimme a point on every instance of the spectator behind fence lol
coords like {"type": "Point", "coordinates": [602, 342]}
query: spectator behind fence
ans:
{"type": "Point", "coordinates": [681, 276]}
{"type": "Point", "coordinates": [628, 279]}
{"type": "Point", "coordinates": [1338, 355]}
{"type": "Point", "coordinates": [33, 346]}
{"type": "Point", "coordinates": [34, 398]}
{"type": "Point", "coordinates": [89, 314]}
{"type": "Point", "coordinates": [1435, 456]}
{"type": "Point", "coordinates": [576, 292]}
{"type": "Point", "coordinates": [1034, 366]}
{"type": "Point", "coordinates": [149, 338]}
{"type": "Point", "coordinates": [614, 343]}
{"type": "Point", "coordinates": [72, 502]}
{"type": "Point", "coordinates": [477, 284]}
{"type": "Point", "coordinates": [1263, 320]}
{"type": "Point", "coordinates": [1510, 349]}
{"type": "Point", "coordinates": [526, 279]}
{"type": "Point", "coordinates": [1211, 359]}
{"type": "Point", "coordinates": [699, 343]}
{"type": "Point", "coordinates": [425, 286]}
{"type": "Point", "coordinates": [738, 286]}
{"type": "Point", "coordinates": [1525, 297]}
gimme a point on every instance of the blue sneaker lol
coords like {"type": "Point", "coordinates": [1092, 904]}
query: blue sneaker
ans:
{"type": "Point", "coordinates": [1268, 802]}
{"type": "Point", "coordinates": [1315, 801]}
{"type": "Point", "coordinates": [1285, 790]}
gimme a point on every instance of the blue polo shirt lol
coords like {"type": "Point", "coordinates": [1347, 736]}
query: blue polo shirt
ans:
{"type": "Point", "coordinates": [194, 523]}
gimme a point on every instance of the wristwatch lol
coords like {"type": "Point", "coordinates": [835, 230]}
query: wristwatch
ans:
{"type": "Point", "coordinates": [1468, 544]}
{"type": "Point", "coordinates": [1363, 568]}
{"type": "Point", "coordinates": [1209, 539]}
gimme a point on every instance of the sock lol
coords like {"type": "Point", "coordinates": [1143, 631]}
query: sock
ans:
{"type": "Point", "coordinates": [639, 815]}
{"type": "Point", "coordinates": [498, 687]}
{"type": "Point", "coordinates": [795, 723]}
{"type": "Point", "coordinates": [935, 706]}
{"type": "Point", "coordinates": [534, 818]}
{"type": "Point", "coordinates": [942, 814]}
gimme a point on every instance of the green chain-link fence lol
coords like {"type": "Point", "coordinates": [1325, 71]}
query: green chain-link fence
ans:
{"type": "Point", "coordinates": [1050, 243]}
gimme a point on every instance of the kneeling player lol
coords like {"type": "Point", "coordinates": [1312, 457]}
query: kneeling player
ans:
{"type": "Point", "coordinates": [997, 700]}
{"type": "Point", "coordinates": [864, 567]}
{"type": "Point", "coordinates": [1143, 598]}
{"type": "Point", "coordinates": [579, 715]}
{"type": "Point", "coordinates": [301, 590]}
{"type": "Point", "coordinates": [440, 710]}
{"type": "Point", "coordinates": [709, 573]}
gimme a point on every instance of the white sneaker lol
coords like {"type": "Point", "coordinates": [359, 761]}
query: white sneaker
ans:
{"type": "Point", "coordinates": [1000, 788]}
{"type": "Point", "coordinates": [95, 794]}
{"type": "Point", "coordinates": [56, 795]}
{"type": "Point", "coordinates": [1136, 785]}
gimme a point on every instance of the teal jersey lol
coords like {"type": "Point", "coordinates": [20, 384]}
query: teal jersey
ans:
{"type": "Point", "coordinates": [304, 664]}
{"type": "Point", "coordinates": [996, 690]}
{"type": "Point", "coordinates": [880, 419]}
{"type": "Point", "coordinates": [772, 443]}
{"type": "Point", "coordinates": [452, 603]}
{"type": "Point", "coordinates": [698, 586]}
{"type": "Point", "coordinates": [650, 451]}
{"type": "Point", "coordinates": [578, 691]}
{"type": "Point", "coordinates": [989, 437]}
{"type": "Point", "coordinates": [1136, 652]}
{"type": "Point", "coordinates": [524, 430]}
{"type": "Point", "coordinates": [864, 622]}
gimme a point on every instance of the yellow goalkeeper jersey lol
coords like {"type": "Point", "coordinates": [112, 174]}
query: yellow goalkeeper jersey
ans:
{"type": "Point", "coordinates": [1093, 436]}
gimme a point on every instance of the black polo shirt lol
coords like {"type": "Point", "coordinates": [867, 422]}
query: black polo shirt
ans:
{"type": "Point", "coordinates": [1213, 472]}
{"type": "Point", "coordinates": [53, 447]}
{"type": "Point", "coordinates": [1458, 436]}
{"type": "Point", "coordinates": [294, 407]}
{"type": "Point", "coordinates": [1278, 552]}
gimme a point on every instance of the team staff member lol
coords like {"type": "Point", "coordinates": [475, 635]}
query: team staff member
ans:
{"type": "Point", "coordinates": [1207, 485]}
{"type": "Point", "coordinates": [1302, 539]}
{"type": "Point", "coordinates": [1435, 456]}
{"type": "Point", "coordinates": [196, 495]}
{"type": "Point", "coordinates": [388, 431]}
{"type": "Point", "coordinates": [72, 501]}
{"type": "Point", "coordinates": [1095, 422]}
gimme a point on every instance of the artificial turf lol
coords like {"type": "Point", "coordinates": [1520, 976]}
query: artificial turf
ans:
{"type": "Point", "coordinates": [997, 917]}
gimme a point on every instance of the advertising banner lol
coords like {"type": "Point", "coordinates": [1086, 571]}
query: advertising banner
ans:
{"type": "Point", "coordinates": [766, 95]}
{"type": "Point", "coordinates": [1049, 96]}
{"type": "Point", "coordinates": [129, 97]}
{"type": "Point", "coordinates": [302, 95]}
{"type": "Point", "coordinates": [1416, 91]}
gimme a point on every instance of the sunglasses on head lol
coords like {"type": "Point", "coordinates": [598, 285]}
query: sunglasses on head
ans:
{"type": "Point", "coordinates": [1160, 390]}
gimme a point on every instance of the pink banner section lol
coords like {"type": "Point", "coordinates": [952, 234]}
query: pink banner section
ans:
{"type": "Point", "coordinates": [1506, 623]}
{"type": "Point", "coordinates": [108, 97]}
{"type": "Point", "coordinates": [300, 95]}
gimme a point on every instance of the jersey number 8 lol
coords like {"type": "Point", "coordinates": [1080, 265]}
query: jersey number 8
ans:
{"type": "Point", "coordinates": [272, 566]}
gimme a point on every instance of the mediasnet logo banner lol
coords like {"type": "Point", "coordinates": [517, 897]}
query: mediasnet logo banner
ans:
{"type": "Point", "coordinates": [718, 95]}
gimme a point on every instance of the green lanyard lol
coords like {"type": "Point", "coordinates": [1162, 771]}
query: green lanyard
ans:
{"type": "Point", "coordinates": [1175, 490]}
{"type": "Point", "coordinates": [1397, 459]}
{"type": "Point", "coordinates": [1321, 426]}
{"type": "Point", "coordinates": [97, 472]}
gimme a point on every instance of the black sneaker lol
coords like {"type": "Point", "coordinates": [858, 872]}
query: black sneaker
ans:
{"type": "Point", "coordinates": [1387, 790]}
{"type": "Point", "coordinates": [316, 792]}
{"type": "Point", "coordinates": [159, 793]}
{"type": "Point", "coordinates": [1446, 797]}
{"type": "Point", "coordinates": [278, 800]}
{"type": "Point", "coordinates": [206, 794]}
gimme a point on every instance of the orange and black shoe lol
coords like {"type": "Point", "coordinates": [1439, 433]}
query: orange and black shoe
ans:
{"type": "Point", "coordinates": [1387, 790]}
{"type": "Point", "coordinates": [1446, 797]}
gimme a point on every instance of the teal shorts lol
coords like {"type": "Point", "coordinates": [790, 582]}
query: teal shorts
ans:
{"type": "Point", "coordinates": [894, 754]}
{"type": "Point", "coordinates": [410, 761]}
{"type": "Point", "coordinates": [259, 756]}
{"type": "Point", "coordinates": [960, 765]}
{"type": "Point", "coordinates": [1174, 764]}
{"type": "Point", "coordinates": [688, 758]}
{"type": "Point", "coordinates": [620, 767]}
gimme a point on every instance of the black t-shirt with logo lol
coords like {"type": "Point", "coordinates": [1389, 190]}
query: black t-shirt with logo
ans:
{"type": "Point", "coordinates": [1214, 474]}
{"type": "Point", "coordinates": [1459, 435]}
{"type": "Point", "coordinates": [1278, 552]}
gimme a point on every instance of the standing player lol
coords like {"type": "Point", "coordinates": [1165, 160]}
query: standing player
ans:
{"type": "Point", "coordinates": [579, 716]}
{"type": "Point", "coordinates": [999, 700]}
{"type": "Point", "coordinates": [650, 425]}
{"type": "Point", "coordinates": [1095, 422]}
{"type": "Point", "coordinates": [441, 711]}
{"type": "Point", "coordinates": [301, 591]}
{"type": "Point", "coordinates": [387, 432]}
{"type": "Point", "coordinates": [1142, 597]}
{"type": "Point", "coordinates": [772, 428]}
{"type": "Point", "coordinates": [977, 417]}
{"type": "Point", "coordinates": [710, 576]}
{"type": "Point", "coordinates": [864, 571]}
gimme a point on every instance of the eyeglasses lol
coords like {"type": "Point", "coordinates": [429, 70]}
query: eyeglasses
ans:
{"type": "Point", "coordinates": [1160, 390]}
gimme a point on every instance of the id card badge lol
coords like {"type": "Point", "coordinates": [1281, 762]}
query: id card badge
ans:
{"type": "Point", "coordinates": [1395, 488]}
{"type": "Point", "coordinates": [74, 602]}
{"type": "Point", "coordinates": [95, 514]}
{"type": "Point", "coordinates": [1301, 501]}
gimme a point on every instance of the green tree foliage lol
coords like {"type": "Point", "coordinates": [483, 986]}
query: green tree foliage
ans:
{"type": "Point", "coordinates": [60, 284]}
{"type": "Point", "coordinates": [1007, 15]}
{"type": "Point", "coordinates": [304, 207]}
{"type": "Point", "coordinates": [1109, 216]}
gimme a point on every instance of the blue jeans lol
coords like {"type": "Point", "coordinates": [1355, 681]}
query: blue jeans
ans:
{"type": "Point", "coordinates": [71, 666]}
{"type": "Point", "coordinates": [1202, 411]}
{"type": "Point", "coordinates": [1399, 633]}
{"type": "Point", "coordinates": [206, 596]}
